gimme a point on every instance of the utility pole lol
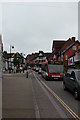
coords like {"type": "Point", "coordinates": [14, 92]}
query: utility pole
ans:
{"type": "Point", "coordinates": [10, 65]}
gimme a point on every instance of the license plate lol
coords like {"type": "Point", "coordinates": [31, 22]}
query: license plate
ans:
{"type": "Point", "coordinates": [56, 76]}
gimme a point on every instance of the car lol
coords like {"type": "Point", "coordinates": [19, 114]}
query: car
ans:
{"type": "Point", "coordinates": [39, 71]}
{"type": "Point", "coordinates": [36, 69]}
{"type": "Point", "coordinates": [29, 67]}
{"type": "Point", "coordinates": [72, 82]}
{"type": "Point", "coordinates": [33, 68]}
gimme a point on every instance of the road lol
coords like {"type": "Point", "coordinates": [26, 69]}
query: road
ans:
{"type": "Point", "coordinates": [43, 101]}
{"type": "Point", "coordinates": [65, 96]}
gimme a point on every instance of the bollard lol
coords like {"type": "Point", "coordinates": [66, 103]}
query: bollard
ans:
{"type": "Point", "coordinates": [27, 74]}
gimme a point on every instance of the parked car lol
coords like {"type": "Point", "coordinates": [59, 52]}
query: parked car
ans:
{"type": "Point", "coordinates": [33, 68]}
{"type": "Point", "coordinates": [29, 67]}
{"type": "Point", "coordinates": [72, 82]}
{"type": "Point", "coordinates": [39, 71]}
{"type": "Point", "coordinates": [36, 69]}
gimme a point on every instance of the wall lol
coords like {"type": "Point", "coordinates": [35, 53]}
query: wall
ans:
{"type": "Point", "coordinates": [0, 53]}
{"type": "Point", "coordinates": [69, 54]}
{"type": "Point", "coordinates": [0, 63]}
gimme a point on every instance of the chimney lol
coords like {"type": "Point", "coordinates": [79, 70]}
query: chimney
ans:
{"type": "Point", "coordinates": [73, 39]}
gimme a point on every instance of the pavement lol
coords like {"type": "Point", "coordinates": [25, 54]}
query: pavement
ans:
{"type": "Point", "coordinates": [17, 96]}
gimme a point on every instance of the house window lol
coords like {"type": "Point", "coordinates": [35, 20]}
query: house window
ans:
{"type": "Point", "coordinates": [78, 55]}
{"type": "Point", "coordinates": [54, 56]}
{"type": "Point", "coordinates": [74, 47]}
{"type": "Point", "coordinates": [78, 47]}
{"type": "Point", "coordinates": [61, 57]}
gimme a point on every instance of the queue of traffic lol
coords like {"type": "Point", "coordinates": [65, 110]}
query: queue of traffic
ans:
{"type": "Point", "coordinates": [54, 70]}
{"type": "Point", "coordinates": [50, 70]}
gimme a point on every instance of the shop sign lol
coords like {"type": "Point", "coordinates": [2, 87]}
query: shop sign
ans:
{"type": "Point", "coordinates": [71, 61]}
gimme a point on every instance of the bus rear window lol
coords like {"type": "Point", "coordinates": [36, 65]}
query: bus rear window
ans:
{"type": "Point", "coordinates": [55, 68]}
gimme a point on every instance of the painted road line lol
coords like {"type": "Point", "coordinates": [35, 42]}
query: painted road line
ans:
{"type": "Point", "coordinates": [57, 107]}
{"type": "Point", "coordinates": [73, 114]}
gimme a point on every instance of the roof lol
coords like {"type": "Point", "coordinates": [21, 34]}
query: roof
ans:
{"type": "Point", "coordinates": [61, 45]}
{"type": "Point", "coordinates": [9, 55]}
{"type": "Point", "coordinates": [30, 57]}
{"type": "Point", "coordinates": [68, 47]}
{"type": "Point", "coordinates": [68, 43]}
{"type": "Point", "coordinates": [48, 55]}
{"type": "Point", "coordinates": [57, 44]}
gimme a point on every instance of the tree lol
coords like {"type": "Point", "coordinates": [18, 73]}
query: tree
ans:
{"type": "Point", "coordinates": [16, 59]}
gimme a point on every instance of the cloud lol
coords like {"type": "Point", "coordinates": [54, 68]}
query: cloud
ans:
{"type": "Point", "coordinates": [32, 26]}
{"type": "Point", "coordinates": [3, 1]}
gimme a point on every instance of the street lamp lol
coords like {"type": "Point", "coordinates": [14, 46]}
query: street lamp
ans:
{"type": "Point", "coordinates": [11, 47]}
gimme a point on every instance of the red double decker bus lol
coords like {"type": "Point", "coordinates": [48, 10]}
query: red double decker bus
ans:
{"type": "Point", "coordinates": [53, 70]}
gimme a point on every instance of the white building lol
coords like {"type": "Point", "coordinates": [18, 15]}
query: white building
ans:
{"type": "Point", "coordinates": [1, 77]}
{"type": "Point", "coordinates": [1, 47]}
{"type": "Point", "coordinates": [0, 61]}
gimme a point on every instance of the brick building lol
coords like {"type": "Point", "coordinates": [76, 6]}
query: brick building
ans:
{"type": "Point", "coordinates": [56, 46]}
{"type": "Point", "coordinates": [30, 58]}
{"type": "Point", "coordinates": [66, 51]}
{"type": "Point", "coordinates": [38, 58]}
{"type": "Point", "coordinates": [69, 54]}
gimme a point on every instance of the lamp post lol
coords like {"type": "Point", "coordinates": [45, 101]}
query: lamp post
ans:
{"type": "Point", "coordinates": [11, 47]}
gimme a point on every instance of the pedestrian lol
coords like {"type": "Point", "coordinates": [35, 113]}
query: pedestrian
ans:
{"type": "Point", "coordinates": [15, 69]}
{"type": "Point", "coordinates": [23, 69]}
{"type": "Point", "coordinates": [20, 69]}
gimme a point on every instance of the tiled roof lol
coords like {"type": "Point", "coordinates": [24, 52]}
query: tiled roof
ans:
{"type": "Point", "coordinates": [30, 57]}
{"type": "Point", "coordinates": [67, 43]}
{"type": "Point", "coordinates": [68, 47]}
{"type": "Point", "coordinates": [57, 44]}
{"type": "Point", "coordinates": [48, 55]}
{"type": "Point", "coordinates": [9, 55]}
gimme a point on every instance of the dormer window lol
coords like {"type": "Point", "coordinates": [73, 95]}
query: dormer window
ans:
{"type": "Point", "coordinates": [40, 54]}
{"type": "Point", "coordinates": [54, 56]}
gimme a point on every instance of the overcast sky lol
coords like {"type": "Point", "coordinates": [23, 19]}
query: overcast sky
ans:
{"type": "Point", "coordinates": [31, 27]}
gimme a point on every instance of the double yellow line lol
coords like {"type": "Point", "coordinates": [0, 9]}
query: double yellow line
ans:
{"type": "Point", "coordinates": [73, 114]}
